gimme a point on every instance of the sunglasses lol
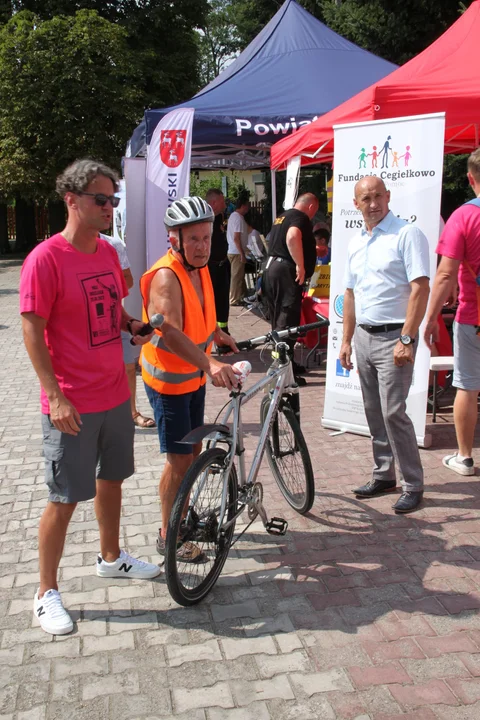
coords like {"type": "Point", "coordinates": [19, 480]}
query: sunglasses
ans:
{"type": "Point", "coordinates": [101, 200]}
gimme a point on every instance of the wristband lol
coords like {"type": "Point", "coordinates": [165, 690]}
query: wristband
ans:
{"type": "Point", "coordinates": [129, 326]}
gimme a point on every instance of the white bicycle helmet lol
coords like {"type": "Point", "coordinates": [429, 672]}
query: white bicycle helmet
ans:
{"type": "Point", "coordinates": [187, 211]}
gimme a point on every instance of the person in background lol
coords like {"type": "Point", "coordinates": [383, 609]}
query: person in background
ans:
{"type": "Point", "coordinates": [71, 288]}
{"type": "Point", "coordinates": [219, 264]}
{"type": "Point", "coordinates": [237, 237]}
{"type": "Point", "coordinates": [387, 287]}
{"type": "Point", "coordinates": [322, 239]}
{"type": "Point", "coordinates": [459, 246]}
{"type": "Point", "coordinates": [255, 244]}
{"type": "Point", "coordinates": [130, 352]}
{"type": "Point", "coordinates": [291, 261]}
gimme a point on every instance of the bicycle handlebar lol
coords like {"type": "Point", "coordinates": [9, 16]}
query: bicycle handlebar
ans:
{"type": "Point", "coordinates": [277, 335]}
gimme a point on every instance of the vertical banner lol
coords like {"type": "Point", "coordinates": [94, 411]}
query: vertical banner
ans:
{"type": "Point", "coordinates": [168, 175]}
{"type": "Point", "coordinates": [134, 235]}
{"type": "Point", "coordinates": [291, 185]}
{"type": "Point", "coordinates": [407, 153]}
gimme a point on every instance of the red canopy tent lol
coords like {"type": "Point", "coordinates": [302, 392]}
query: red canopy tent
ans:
{"type": "Point", "coordinates": [443, 78]}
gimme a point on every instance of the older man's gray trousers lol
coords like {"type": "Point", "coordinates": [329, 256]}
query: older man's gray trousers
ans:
{"type": "Point", "coordinates": [385, 388]}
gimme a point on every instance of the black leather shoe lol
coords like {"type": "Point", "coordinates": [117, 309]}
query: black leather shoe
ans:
{"type": "Point", "coordinates": [301, 382]}
{"type": "Point", "coordinates": [375, 487]}
{"type": "Point", "coordinates": [408, 502]}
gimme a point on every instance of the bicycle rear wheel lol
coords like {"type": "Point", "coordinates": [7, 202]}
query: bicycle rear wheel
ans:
{"type": "Point", "coordinates": [195, 519]}
{"type": "Point", "coordinates": [288, 457]}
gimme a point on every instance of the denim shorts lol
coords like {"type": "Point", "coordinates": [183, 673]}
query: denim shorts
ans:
{"type": "Point", "coordinates": [176, 415]}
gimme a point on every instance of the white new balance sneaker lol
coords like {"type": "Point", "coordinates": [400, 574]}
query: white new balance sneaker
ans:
{"type": "Point", "coordinates": [127, 566]}
{"type": "Point", "coordinates": [51, 614]}
{"type": "Point", "coordinates": [462, 467]}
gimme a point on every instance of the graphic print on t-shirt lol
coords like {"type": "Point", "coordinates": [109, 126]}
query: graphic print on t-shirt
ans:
{"type": "Point", "coordinates": [103, 296]}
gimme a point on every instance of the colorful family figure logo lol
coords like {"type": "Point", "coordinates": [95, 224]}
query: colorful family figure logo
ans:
{"type": "Point", "coordinates": [387, 153]}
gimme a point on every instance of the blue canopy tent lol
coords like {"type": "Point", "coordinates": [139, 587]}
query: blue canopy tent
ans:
{"type": "Point", "coordinates": [295, 70]}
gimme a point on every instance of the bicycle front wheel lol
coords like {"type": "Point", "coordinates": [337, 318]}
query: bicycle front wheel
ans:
{"type": "Point", "coordinates": [288, 457]}
{"type": "Point", "coordinates": [196, 546]}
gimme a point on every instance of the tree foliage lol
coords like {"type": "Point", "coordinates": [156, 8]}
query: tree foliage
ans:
{"type": "Point", "coordinates": [68, 88]}
{"type": "Point", "coordinates": [218, 40]}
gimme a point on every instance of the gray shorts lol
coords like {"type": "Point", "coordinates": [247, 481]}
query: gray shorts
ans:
{"type": "Point", "coordinates": [102, 449]}
{"type": "Point", "coordinates": [466, 357]}
{"type": "Point", "coordinates": [130, 352]}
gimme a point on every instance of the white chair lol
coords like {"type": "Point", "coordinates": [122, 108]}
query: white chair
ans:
{"type": "Point", "coordinates": [438, 364]}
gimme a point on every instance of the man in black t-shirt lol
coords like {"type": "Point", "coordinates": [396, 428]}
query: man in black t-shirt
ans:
{"type": "Point", "coordinates": [219, 264]}
{"type": "Point", "coordinates": [291, 261]}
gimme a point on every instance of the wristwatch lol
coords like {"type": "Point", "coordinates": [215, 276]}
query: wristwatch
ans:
{"type": "Point", "coordinates": [406, 340]}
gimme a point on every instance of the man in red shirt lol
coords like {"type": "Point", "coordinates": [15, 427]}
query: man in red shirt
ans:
{"type": "Point", "coordinates": [459, 246]}
{"type": "Point", "coordinates": [71, 289]}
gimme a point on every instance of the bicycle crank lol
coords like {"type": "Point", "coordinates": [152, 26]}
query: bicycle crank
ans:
{"type": "Point", "coordinates": [276, 526]}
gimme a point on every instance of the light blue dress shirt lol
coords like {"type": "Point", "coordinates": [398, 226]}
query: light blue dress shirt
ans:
{"type": "Point", "coordinates": [381, 266]}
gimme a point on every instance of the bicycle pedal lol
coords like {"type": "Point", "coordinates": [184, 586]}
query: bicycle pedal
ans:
{"type": "Point", "coordinates": [276, 526]}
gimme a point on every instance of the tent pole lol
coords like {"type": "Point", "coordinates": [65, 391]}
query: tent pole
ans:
{"type": "Point", "coordinates": [274, 195]}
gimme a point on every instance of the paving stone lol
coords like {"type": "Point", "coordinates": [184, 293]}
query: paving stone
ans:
{"type": "Point", "coordinates": [278, 687]}
{"type": "Point", "coordinates": [268, 626]}
{"type": "Point", "coordinates": [278, 664]}
{"type": "Point", "coordinates": [255, 711]}
{"type": "Point", "coordinates": [123, 683]}
{"type": "Point", "coordinates": [218, 695]}
{"type": "Point", "coordinates": [238, 610]}
{"type": "Point", "coordinates": [236, 647]}
{"type": "Point", "coordinates": [320, 682]}
{"type": "Point", "coordinates": [122, 641]}
{"type": "Point", "coordinates": [93, 665]}
{"type": "Point", "coordinates": [314, 708]}
{"type": "Point", "coordinates": [434, 692]}
{"type": "Point", "coordinates": [179, 654]}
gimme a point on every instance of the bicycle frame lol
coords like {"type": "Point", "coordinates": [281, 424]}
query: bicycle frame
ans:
{"type": "Point", "coordinates": [282, 378]}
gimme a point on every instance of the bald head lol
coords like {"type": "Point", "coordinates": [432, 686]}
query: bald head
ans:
{"type": "Point", "coordinates": [307, 203]}
{"type": "Point", "coordinates": [371, 198]}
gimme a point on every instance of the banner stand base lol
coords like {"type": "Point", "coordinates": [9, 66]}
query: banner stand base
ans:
{"type": "Point", "coordinates": [424, 441]}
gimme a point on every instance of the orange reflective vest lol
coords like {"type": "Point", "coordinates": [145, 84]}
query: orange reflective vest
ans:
{"type": "Point", "coordinates": [162, 370]}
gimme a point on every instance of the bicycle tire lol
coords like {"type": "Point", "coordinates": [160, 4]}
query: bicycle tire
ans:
{"type": "Point", "coordinates": [302, 497]}
{"type": "Point", "coordinates": [176, 570]}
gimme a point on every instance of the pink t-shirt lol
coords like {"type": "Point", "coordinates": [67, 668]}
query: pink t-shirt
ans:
{"type": "Point", "coordinates": [460, 240]}
{"type": "Point", "coordinates": [79, 295]}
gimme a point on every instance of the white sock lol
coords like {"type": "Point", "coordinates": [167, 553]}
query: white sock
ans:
{"type": "Point", "coordinates": [461, 457]}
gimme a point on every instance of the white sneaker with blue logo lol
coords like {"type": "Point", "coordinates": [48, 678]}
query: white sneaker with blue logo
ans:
{"type": "Point", "coordinates": [127, 566]}
{"type": "Point", "coordinates": [51, 614]}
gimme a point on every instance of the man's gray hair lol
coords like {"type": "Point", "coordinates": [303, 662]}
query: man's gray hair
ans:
{"type": "Point", "coordinates": [78, 176]}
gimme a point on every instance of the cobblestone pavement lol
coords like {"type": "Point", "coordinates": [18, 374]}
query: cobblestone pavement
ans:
{"type": "Point", "coordinates": [355, 614]}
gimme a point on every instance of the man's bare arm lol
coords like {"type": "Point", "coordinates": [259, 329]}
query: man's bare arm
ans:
{"type": "Point", "coordinates": [349, 320]}
{"type": "Point", "coordinates": [127, 274]}
{"type": "Point", "coordinates": [295, 248]}
{"type": "Point", "coordinates": [62, 413]}
{"type": "Point", "coordinates": [237, 239]}
{"type": "Point", "coordinates": [445, 282]}
{"type": "Point", "coordinates": [166, 298]}
{"type": "Point", "coordinates": [417, 305]}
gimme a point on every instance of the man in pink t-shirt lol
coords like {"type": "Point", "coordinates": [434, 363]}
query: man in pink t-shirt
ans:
{"type": "Point", "coordinates": [459, 246]}
{"type": "Point", "coordinates": [71, 292]}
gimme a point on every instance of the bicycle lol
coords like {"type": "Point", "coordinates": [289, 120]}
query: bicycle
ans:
{"type": "Point", "coordinates": [212, 496]}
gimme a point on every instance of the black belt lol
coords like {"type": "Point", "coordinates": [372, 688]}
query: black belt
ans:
{"type": "Point", "coordinates": [372, 329]}
{"type": "Point", "coordinates": [275, 258]}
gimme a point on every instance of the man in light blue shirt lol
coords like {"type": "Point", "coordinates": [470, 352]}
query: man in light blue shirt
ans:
{"type": "Point", "coordinates": [387, 287]}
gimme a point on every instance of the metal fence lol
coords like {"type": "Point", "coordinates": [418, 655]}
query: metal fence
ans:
{"type": "Point", "coordinates": [41, 222]}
